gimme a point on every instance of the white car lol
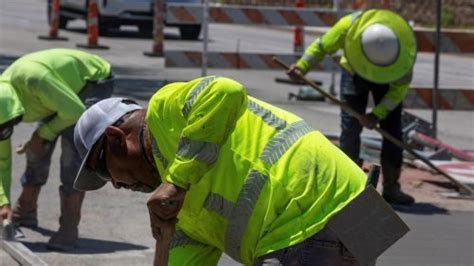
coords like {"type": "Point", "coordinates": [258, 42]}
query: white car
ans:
{"type": "Point", "coordinates": [114, 13]}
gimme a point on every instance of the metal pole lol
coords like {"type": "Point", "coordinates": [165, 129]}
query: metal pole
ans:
{"type": "Point", "coordinates": [205, 24]}
{"type": "Point", "coordinates": [332, 87]}
{"type": "Point", "coordinates": [436, 68]}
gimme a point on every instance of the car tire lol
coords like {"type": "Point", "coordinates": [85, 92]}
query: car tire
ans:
{"type": "Point", "coordinates": [145, 29]}
{"type": "Point", "coordinates": [190, 32]}
{"type": "Point", "coordinates": [108, 26]}
{"type": "Point", "coordinates": [62, 19]}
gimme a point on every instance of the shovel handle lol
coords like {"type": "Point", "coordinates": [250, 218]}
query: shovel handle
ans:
{"type": "Point", "coordinates": [463, 189]}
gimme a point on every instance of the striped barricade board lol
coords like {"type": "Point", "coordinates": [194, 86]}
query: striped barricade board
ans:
{"type": "Point", "coordinates": [226, 60]}
{"type": "Point", "coordinates": [278, 16]}
{"type": "Point", "coordinates": [453, 41]}
{"type": "Point", "coordinates": [448, 98]}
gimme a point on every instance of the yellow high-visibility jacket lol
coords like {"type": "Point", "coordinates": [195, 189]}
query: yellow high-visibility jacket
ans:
{"type": "Point", "coordinates": [46, 83]}
{"type": "Point", "coordinates": [258, 178]}
{"type": "Point", "coordinates": [335, 39]}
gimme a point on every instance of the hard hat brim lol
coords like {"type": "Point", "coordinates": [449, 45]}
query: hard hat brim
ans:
{"type": "Point", "coordinates": [362, 66]}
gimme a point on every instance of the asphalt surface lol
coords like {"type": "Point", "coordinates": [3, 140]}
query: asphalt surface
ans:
{"type": "Point", "coordinates": [115, 227]}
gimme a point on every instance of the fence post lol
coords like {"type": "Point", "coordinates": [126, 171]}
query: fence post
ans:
{"type": "Point", "coordinates": [158, 25]}
{"type": "Point", "coordinates": [53, 23]}
{"type": "Point", "coordinates": [92, 28]}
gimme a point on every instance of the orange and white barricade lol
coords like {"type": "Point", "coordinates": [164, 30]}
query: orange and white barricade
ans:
{"type": "Point", "coordinates": [158, 36]}
{"type": "Point", "coordinates": [53, 23]}
{"type": "Point", "coordinates": [92, 28]}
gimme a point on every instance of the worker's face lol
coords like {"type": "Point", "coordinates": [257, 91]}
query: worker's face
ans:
{"type": "Point", "coordinates": [118, 158]}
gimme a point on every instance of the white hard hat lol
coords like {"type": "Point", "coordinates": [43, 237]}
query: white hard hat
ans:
{"type": "Point", "coordinates": [380, 45]}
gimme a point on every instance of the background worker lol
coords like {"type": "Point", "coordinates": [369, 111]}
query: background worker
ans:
{"type": "Point", "coordinates": [379, 53]}
{"type": "Point", "coordinates": [247, 178]}
{"type": "Point", "coordinates": [52, 87]}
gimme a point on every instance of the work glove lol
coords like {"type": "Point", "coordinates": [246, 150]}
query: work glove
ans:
{"type": "Point", "coordinates": [368, 120]}
{"type": "Point", "coordinates": [294, 72]}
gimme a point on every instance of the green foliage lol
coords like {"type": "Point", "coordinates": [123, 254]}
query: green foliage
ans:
{"type": "Point", "coordinates": [447, 16]}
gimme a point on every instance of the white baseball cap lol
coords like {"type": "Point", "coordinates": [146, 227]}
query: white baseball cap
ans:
{"type": "Point", "coordinates": [89, 128]}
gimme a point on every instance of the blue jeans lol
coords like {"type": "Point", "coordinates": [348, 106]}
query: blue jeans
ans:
{"type": "Point", "coordinates": [37, 166]}
{"type": "Point", "coordinates": [322, 249]}
{"type": "Point", "coordinates": [355, 92]}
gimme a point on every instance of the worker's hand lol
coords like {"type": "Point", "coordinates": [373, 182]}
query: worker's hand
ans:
{"type": "Point", "coordinates": [5, 212]}
{"type": "Point", "coordinates": [36, 144]}
{"type": "Point", "coordinates": [369, 120]}
{"type": "Point", "coordinates": [295, 72]}
{"type": "Point", "coordinates": [163, 207]}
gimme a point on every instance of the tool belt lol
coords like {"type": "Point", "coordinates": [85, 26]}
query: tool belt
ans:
{"type": "Point", "coordinates": [367, 226]}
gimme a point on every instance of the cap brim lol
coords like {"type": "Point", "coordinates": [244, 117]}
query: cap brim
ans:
{"type": "Point", "coordinates": [87, 179]}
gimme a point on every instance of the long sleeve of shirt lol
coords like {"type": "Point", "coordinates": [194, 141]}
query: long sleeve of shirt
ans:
{"type": "Point", "coordinates": [65, 104]}
{"type": "Point", "coordinates": [394, 96]}
{"type": "Point", "coordinates": [210, 119]}
{"type": "Point", "coordinates": [329, 43]}
{"type": "Point", "coordinates": [5, 171]}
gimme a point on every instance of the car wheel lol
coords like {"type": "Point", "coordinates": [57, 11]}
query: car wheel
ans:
{"type": "Point", "coordinates": [190, 32]}
{"type": "Point", "coordinates": [62, 19]}
{"type": "Point", "coordinates": [145, 29]}
{"type": "Point", "coordinates": [107, 26]}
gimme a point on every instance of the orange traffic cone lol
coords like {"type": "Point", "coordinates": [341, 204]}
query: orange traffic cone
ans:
{"type": "Point", "coordinates": [53, 24]}
{"type": "Point", "coordinates": [298, 37]}
{"type": "Point", "coordinates": [158, 18]}
{"type": "Point", "coordinates": [92, 28]}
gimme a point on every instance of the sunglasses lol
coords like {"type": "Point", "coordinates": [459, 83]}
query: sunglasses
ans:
{"type": "Point", "coordinates": [6, 129]}
{"type": "Point", "coordinates": [6, 132]}
{"type": "Point", "coordinates": [101, 163]}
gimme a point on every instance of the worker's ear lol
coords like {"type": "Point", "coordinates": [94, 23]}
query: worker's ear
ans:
{"type": "Point", "coordinates": [116, 137]}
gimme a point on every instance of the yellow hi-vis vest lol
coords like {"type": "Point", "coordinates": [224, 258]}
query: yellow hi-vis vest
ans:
{"type": "Point", "coordinates": [346, 34]}
{"type": "Point", "coordinates": [258, 178]}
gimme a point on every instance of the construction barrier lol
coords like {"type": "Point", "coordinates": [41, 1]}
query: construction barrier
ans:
{"type": "Point", "coordinates": [190, 59]}
{"type": "Point", "coordinates": [53, 23]}
{"type": "Point", "coordinates": [448, 98]}
{"type": "Point", "coordinates": [92, 28]}
{"type": "Point", "coordinates": [158, 37]}
{"type": "Point", "coordinates": [277, 16]}
{"type": "Point", "coordinates": [453, 41]}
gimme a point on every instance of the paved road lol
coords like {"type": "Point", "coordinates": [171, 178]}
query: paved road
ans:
{"type": "Point", "coordinates": [115, 226]}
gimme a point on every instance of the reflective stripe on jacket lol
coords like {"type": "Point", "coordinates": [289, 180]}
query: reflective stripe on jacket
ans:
{"type": "Point", "coordinates": [259, 178]}
{"type": "Point", "coordinates": [331, 42]}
